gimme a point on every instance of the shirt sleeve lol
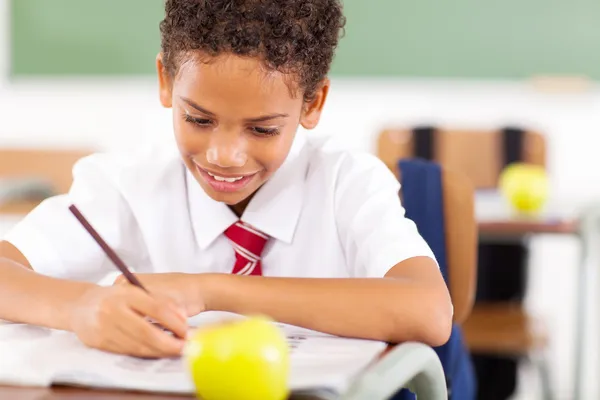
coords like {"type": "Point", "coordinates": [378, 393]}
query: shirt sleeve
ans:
{"type": "Point", "coordinates": [56, 244]}
{"type": "Point", "coordinates": [372, 226]}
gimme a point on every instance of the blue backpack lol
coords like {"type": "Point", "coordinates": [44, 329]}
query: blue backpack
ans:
{"type": "Point", "coordinates": [424, 203]}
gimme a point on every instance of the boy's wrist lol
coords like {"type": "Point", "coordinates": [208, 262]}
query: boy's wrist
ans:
{"type": "Point", "coordinates": [69, 313]}
{"type": "Point", "coordinates": [204, 289]}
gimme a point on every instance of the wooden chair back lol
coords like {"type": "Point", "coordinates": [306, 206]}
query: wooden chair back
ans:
{"type": "Point", "coordinates": [51, 166]}
{"type": "Point", "coordinates": [479, 155]}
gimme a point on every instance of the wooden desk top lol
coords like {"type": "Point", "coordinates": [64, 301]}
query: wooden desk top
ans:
{"type": "Point", "coordinates": [517, 226]}
{"type": "Point", "coordinates": [56, 393]}
{"type": "Point", "coordinates": [21, 208]}
{"type": "Point", "coordinates": [495, 218]}
{"type": "Point", "coordinates": [61, 393]}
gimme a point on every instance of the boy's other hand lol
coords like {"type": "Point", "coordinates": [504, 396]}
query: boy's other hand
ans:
{"type": "Point", "coordinates": [116, 319]}
{"type": "Point", "coordinates": [181, 288]}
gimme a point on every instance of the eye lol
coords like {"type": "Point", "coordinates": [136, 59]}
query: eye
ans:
{"type": "Point", "coordinates": [202, 122]}
{"type": "Point", "coordinates": [259, 131]}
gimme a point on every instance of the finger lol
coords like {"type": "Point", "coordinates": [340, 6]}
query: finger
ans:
{"type": "Point", "coordinates": [116, 332]}
{"type": "Point", "coordinates": [123, 343]}
{"type": "Point", "coordinates": [136, 346]}
{"type": "Point", "coordinates": [173, 302]}
{"type": "Point", "coordinates": [159, 342]}
{"type": "Point", "coordinates": [136, 325]}
{"type": "Point", "coordinates": [162, 310]}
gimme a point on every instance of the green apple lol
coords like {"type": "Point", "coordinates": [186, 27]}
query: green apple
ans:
{"type": "Point", "coordinates": [525, 186]}
{"type": "Point", "coordinates": [245, 359]}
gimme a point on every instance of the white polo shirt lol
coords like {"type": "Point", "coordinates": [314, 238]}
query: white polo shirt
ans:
{"type": "Point", "coordinates": [329, 213]}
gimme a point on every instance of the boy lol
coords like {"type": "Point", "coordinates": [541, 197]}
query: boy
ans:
{"type": "Point", "coordinates": [241, 214]}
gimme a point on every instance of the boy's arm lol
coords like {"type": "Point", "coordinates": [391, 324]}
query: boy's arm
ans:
{"type": "Point", "coordinates": [107, 318]}
{"type": "Point", "coordinates": [411, 303]}
{"type": "Point", "coordinates": [28, 297]}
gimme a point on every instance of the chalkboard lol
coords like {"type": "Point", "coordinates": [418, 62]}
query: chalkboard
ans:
{"type": "Point", "coordinates": [84, 37]}
{"type": "Point", "coordinates": [417, 38]}
{"type": "Point", "coordinates": [471, 38]}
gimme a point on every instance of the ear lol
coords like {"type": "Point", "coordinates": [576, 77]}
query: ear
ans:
{"type": "Point", "coordinates": [165, 84]}
{"type": "Point", "coordinates": [312, 110]}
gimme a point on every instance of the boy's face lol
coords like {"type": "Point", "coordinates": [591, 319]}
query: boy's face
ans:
{"type": "Point", "coordinates": [234, 122]}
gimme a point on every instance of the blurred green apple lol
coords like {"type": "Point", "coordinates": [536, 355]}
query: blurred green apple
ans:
{"type": "Point", "coordinates": [525, 186]}
{"type": "Point", "coordinates": [246, 359]}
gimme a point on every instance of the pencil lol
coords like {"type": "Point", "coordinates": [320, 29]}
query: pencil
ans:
{"type": "Point", "coordinates": [110, 253]}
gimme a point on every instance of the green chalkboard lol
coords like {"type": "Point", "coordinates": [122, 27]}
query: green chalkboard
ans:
{"type": "Point", "coordinates": [84, 37]}
{"type": "Point", "coordinates": [416, 38]}
{"type": "Point", "coordinates": [470, 38]}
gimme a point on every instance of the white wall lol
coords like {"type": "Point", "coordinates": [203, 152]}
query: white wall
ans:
{"type": "Point", "coordinates": [100, 112]}
{"type": "Point", "coordinates": [110, 114]}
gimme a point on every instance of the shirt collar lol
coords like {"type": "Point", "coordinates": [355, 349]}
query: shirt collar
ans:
{"type": "Point", "coordinates": [209, 218]}
{"type": "Point", "coordinates": [274, 210]}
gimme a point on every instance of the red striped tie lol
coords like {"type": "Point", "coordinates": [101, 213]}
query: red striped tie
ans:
{"type": "Point", "coordinates": [248, 244]}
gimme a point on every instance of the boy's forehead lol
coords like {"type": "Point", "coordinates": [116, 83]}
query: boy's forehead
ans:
{"type": "Point", "coordinates": [231, 75]}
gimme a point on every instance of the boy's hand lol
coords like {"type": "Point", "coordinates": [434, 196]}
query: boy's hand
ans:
{"type": "Point", "coordinates": [181, 288]}
{"type": "Point", "coordinates": [115, 319]}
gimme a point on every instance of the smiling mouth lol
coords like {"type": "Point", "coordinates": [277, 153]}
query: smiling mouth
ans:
{"type": "Point", "coordinates": [224, 178]}
{"type": "Point", "coordinates": [227, 184]}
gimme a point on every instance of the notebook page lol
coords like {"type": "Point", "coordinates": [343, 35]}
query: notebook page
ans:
{"type": "Point", "coordinates": [39, 357]}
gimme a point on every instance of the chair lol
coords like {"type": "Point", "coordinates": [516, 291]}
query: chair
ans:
{"type": "Point", "coordinates": [441, 203]}
{"type": "Point", "coordinates": [33, 174]}
{"type": "Point", "coordinates": [506, 329]}
{"type": "Point", "coordinates": [480, 155]}
{"type": "Point", "coordinates": [497, 328]}
{"type": "Point", "coordinates": [413, 365]}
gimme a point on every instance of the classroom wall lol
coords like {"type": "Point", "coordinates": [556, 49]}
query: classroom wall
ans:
{"type": "Point", "coordinates": [97, 113]}
{"type": "Point", "coordinates": [110, 114]}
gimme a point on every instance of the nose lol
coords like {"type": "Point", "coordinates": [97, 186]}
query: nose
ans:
{"type": "Point", "coordinates": [227, 151]}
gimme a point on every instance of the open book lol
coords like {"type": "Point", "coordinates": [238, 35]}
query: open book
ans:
{"type": "Point", "coordinates": [34, 356]}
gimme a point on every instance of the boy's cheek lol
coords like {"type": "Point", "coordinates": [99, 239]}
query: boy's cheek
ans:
{"type": "Point", "coordinates": [190, 144]}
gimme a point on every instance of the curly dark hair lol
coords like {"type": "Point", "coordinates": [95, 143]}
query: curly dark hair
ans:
{"type": "Point", "coordinates": [291, 36]}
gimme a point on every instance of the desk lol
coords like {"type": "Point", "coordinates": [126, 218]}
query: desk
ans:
{"type": "Point", "coordinates": [60, 393]}
{"type": "Point", "coordinates": [9, 393]}
{"type": "Point", "coordinates": [497, 220]}
{"type": "Point", "coordinates": [412, 365]}
{"type": "Point", "coordinates": [498, 223]}
{"type": "Point", "coordinates": [520, 227]}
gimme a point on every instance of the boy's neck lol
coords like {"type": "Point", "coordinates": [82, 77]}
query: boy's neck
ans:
{"type": "Point", "coordinates": [238, 209]}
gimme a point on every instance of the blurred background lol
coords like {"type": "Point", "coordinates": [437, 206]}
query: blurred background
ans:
{"type": "Point", "coordinates": [79, 75]}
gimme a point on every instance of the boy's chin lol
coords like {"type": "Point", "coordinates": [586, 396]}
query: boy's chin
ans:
{"type": "Point", "coordinates": [228, 198]}
{"type": "Point", "coordinates": [231, 199]}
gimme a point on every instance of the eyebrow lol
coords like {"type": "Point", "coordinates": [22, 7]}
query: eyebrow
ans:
{"type": "Point", "coordinates": [262, 118]}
